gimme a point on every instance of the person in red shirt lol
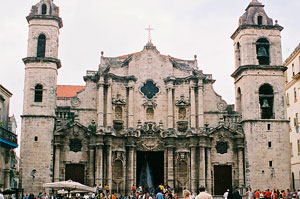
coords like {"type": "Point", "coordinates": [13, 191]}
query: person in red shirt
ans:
{"type": "Point", "coordinates": [257, 194]}
{"type": "Point", "coordinates": [274, 195]}
{"type": "Point", "coordinates": [268, 194]}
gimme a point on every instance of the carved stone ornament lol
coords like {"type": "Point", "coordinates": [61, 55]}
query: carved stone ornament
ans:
{"type": "Point", "coordinates": [150, 128]}
{"type": "Point", "coordinates": [182, 101]}
{"type": "Point", "coordinates": [149, 103]}
{"type": "Point", "coordinates": [118, 100]}
{"type": "Point", "coordinates": [182, 126]}
{"type": "Point", "coordinates": [118, 155]}
{"type": "Point", "coordinates": [182, 156]}
{"type": "Point", "coordinates": [222, 106]}
{"type": "Point", "coordinates": [151, 144]}
{"type": "Point", "coordinates": [76, 131]}
{"type": "Point", "coordinates": [149, 89]}
{"type": "Point", "coordinates": [222, 147]}
{"type": "Point", "coordinates": [75, 102]}
{"type": "Point", "coordinates": [118, 125]}
{"type": "Point", "coordinates": [75, 145]}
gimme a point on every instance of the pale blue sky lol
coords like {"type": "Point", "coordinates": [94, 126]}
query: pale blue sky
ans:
{"type": "Point", "coordinates": [117, 27]}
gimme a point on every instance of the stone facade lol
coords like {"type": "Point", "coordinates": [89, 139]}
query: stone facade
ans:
{"type": "Point", "coordinates": [149, 107]}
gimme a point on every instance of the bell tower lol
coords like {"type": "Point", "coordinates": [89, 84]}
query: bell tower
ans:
{"type": "Point", "coordinates": [260, 99]}
{"type": "Point", "coordinates": [38, 119]}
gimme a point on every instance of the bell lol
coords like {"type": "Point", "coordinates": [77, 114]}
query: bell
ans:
{"type": "Point", "coordinates": [262, 52]}
{"type": "Point", "coordinates": [265, 104]}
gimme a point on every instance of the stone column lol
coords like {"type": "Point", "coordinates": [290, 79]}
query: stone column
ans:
{"type": "Point", "coordinates": [99, 165]}
{"type": "Point", "coordinates": [100, 108]}
{"type": "Point", "coordinates": [170, 107]}
{"type": "Point", "coordinates": [171, 166]}
{"type": "Point", "coordinates": [193, 169]}
{"type": "Point", "coordinates": [193, 107]}
{"type": "Point", "coordinates": [200, 106]}
{"type": "Point", "coordinates": [57, 162]}
{"type": "Point", "coordinates": [91, 165]}
{"type": "Point", "coordinates": [202, 179]}
{"type": "Point", "coordinates": [165, 166]}
{"type": "Point", "coordinates": [130, 107]}
{"type": "Point", "coordinates": [130, 177]}
{"type": "Point", "coordinates": [109, 105]}
{"type": "Point", "coordinates": [208, 177]}
{"type": "Point", "coordinates": [241, 165]}
{"type": "Point", "coordinates": [109, 166]}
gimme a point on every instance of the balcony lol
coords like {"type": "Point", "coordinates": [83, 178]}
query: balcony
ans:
{"type": "Point", "coordinates": [8, 139]}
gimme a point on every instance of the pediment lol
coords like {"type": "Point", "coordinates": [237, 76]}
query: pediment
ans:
{"type": "Point", "coordinates": [223, 131]}
{"type": "Point", "coordinates": [76, 129]}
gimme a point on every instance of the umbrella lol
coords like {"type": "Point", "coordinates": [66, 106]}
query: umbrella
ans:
{"type": "Point", "coordinates": [62, 191]}
{"type": "Point", "coordinates": [69, 186]}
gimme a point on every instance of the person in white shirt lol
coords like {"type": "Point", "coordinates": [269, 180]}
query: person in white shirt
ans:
{"type": "Point", "coordinates": [203, 194]}
{"type": "Point", "coordinates": [1, 195]}
{"type": "Point", "coordinates": [225, 196]}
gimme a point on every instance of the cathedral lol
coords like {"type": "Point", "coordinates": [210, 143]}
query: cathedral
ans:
{"type": "Point", "coordinates": [148, 119]}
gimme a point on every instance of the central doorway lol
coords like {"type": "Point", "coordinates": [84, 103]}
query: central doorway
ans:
{"type": "Point", "coordinates": [75, 172]}
{"type": "Point", "coordinates": [222, 179]}
{"type": "Point", "coordinates": [150, 169]}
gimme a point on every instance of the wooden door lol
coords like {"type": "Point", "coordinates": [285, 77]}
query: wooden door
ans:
{"type": "Point", "coordinates": [222, 179]}
{"type": "Point", "coordinates": [75, 172]}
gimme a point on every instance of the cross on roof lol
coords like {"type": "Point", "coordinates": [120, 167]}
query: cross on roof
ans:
{"type": "Point", "coordinates": [149, 32]}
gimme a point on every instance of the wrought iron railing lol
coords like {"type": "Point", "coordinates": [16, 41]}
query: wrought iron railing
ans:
{"type": "Point", "coordinates": [8, 136]}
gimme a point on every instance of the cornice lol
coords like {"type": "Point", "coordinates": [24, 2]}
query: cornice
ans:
{"type": "Point", "coordinates": [241, 69]}
{"type": "Point", "coordinates": [41, 60]}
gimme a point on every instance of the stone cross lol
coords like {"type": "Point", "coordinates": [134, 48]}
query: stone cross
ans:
{"type": "Point", "coordinates": [149, 33]}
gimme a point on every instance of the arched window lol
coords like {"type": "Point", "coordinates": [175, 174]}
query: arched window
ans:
{"type": "Point", "coordinates": [149, 114]}
{"type": "Point", "coordinates": [38, 93]}
{"type": "Point", "coordinates": [259, 20]}
{"type": "Point", "coordinates": [41, 46]}
{"type": "Point", "coordinates": [239, 100]}
{"type": "Point", "coordinates": [181, 113]}
{"type": "Point", "coordinates": [263, 51]}
{"type": "Point", "coordinates": [44, 9]}
{"type": "Point", "coordinates": [266, 100]}
{"type": "Point", "coordinates": [118, 113]}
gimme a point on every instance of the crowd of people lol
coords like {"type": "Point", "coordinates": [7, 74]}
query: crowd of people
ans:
{"type": "Point", "coordinates": [272, 194]}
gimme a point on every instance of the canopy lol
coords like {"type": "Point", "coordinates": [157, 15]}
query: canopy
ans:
{"type": "Point", "coordinates": [69, 186]}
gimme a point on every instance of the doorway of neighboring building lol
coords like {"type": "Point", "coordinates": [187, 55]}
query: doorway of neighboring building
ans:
{"type": "Point", "coordinates": [222, 179]}
{"type": "Point", "coordinates": [75, 172]}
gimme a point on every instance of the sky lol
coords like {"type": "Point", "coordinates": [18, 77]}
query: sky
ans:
{"type": "Point", "coordinates": [182, 29]}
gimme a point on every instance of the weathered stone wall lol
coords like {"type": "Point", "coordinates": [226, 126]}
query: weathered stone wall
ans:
{"type": "Point", "coordinates": [259, 174]}
{"type": "Point", "coordinates": [36, 155]}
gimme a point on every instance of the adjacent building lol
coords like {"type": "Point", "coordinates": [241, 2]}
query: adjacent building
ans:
{"type": "Point", "coordinates": [292, 78]}
{"type": "Point", "coordinates": [146, 118]}
{"type": "Point", "coordinates": [8, 142]}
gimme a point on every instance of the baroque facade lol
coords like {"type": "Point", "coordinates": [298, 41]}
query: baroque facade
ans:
{"type": "Point", "coordinates": [292, 78]}
{"type": "Point", "coordinates": [147, 118]}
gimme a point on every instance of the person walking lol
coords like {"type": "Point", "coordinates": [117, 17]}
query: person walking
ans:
{"type": "Point", "coordinates": [186, 194]}
{"type": "Point", "coordinates": [1, 195]}
{"type": "Point", "coordinates": [225, 195]}
{"type": "Point", "coordinates": [236, 194]}
{"type": "Point", "coordinates": [203, 194]}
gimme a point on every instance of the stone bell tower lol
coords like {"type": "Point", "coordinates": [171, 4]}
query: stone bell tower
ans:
{"type": "Point", "coordinates": [260, 88]}
{"type": "Point", "coordinates": [41, 65]}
